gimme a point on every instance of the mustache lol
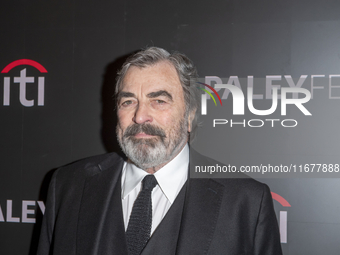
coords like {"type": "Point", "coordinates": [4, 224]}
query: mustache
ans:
{"type": "Point", "coordinates": [144, 128]}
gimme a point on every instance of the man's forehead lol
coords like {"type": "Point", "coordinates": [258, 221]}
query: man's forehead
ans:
{"type": "Point", "coordinates": [162, 74]}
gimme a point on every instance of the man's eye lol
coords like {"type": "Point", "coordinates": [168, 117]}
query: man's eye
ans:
{"type": "Point", "coordinates": [126, 103]}
{"type": "Point", "coordinates": [160, 101]}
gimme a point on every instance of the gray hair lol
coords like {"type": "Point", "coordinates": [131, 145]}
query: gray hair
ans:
{"type": "Point", "coordinates": [186, 71]}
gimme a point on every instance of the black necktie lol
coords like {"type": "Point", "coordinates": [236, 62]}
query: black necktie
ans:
{"type": "Point", "coordinates": [139, 227]}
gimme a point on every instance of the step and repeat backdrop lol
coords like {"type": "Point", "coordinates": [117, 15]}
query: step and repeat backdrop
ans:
{"type": "Point", "coordinates": [274, 112]}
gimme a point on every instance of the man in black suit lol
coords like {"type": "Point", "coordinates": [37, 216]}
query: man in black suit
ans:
{"type": "Point", "coordinates": [98, 205]}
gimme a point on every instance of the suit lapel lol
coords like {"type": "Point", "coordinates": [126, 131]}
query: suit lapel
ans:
{"type": "Point", "coordinates": [100, 224]}
{"type": "Point", "coordinates": [201, 210]}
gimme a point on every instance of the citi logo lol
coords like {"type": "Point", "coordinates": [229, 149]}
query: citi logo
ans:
{"type": "Point", "coordinates": [283, 216]}
{"type": "Point", "coordinates": [23, 80]}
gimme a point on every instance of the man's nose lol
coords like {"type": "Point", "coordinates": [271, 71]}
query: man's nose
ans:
{"type": "Point", "coordinates": [142, 114]}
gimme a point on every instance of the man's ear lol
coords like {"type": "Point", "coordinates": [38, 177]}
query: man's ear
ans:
{"type": "Point", "coordinates": [191, 117]}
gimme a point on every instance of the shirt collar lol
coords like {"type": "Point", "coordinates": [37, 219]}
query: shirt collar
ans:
{"type": "Point", "coordinates": [169, 177]}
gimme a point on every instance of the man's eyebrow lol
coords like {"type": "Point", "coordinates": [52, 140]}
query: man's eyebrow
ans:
{"type": "Point", "coordinates": [160, 93]}
{"type": "Point", "coordinates": [124, 94]}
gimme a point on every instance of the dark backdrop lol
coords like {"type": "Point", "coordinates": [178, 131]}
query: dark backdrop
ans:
{"type": "Point", "coordinates": [82, 43]}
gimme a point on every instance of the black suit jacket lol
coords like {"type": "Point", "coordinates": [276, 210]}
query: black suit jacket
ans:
{"type": "Point", "coordinates": [232, 216]}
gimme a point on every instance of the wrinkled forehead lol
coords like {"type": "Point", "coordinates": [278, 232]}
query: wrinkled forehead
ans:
{"type": "Point", "coordinates": [159, 76]}
{"type": "Point", "coordinates": [127, 68]}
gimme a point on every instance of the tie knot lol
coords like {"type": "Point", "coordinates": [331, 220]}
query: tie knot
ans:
{"type": "Point", "coordinates": [149, 182]}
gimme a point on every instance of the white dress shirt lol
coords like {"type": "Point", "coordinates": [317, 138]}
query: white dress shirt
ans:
{"type": "Point", "coordinates": [170, 178]}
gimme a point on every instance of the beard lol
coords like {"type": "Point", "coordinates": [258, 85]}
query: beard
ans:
{"type": "Point", "coordinates": [155, 151]}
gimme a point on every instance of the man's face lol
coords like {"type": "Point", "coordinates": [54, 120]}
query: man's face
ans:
{"type": "Point", "coordinates": [152, 127]}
